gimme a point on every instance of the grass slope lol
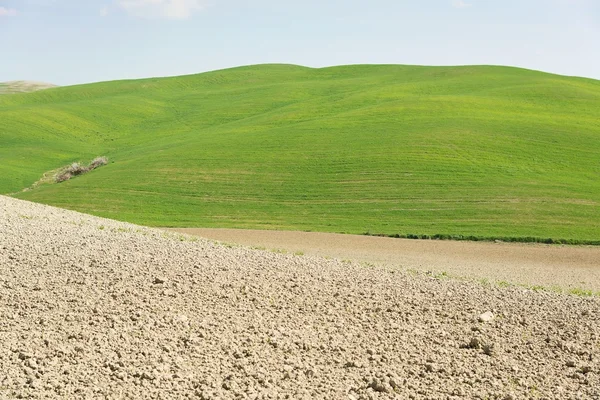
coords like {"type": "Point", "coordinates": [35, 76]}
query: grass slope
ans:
{"type": "Point", "coordinates": [483, 151]}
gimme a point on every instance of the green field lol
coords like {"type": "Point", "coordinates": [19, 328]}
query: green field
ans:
{"type": "Point", "coordinates": [477, 151]}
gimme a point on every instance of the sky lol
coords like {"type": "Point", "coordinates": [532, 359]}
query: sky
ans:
{"type": "Point", "coordinates": [69, 42]}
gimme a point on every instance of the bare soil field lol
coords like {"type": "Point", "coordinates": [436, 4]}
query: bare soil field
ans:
{"type": "Point", "coordinates": [551, 266]}
{"type": "Point", "coordinates": [93, 308]}
{"type": "Point", "coordinates": [23, 86]}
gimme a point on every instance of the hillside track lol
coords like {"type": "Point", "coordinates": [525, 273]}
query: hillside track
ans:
{"type": "Point", "coordinates": [551, 266]}
{"type": "Point", "coordinates": [97, 309]}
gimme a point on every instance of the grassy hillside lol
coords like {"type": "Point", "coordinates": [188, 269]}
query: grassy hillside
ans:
{"type": "Point", "coordinates": [483, 151]}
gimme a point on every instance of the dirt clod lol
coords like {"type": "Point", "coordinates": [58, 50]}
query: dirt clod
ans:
{"type": "Point", "coordinates": [486, 316]}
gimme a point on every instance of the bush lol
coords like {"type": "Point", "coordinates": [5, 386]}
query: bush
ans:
{"type": "Point", "coordinates": [98, 162]}
{"type": "Point", "coordinates": [76, 169]}
{"type": "Point", "coordinates": [65, 176]}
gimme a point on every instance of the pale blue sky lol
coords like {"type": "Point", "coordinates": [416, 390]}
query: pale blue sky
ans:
{"type": "Point", "coordinates": [76, 41]}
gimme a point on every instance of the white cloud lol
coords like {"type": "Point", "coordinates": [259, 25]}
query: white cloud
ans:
{"type": "Point", "coordinates": [104, 11]}
{"type": "Point", "coordinates": [7, 12]}
{"type": "Point", "coordinates": [460, 4]}
{"type": "Point", "coordinates": [174, 9]}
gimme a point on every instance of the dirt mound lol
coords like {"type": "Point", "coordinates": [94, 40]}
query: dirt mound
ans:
{"type": "Point", "coordinates": [93, 308]}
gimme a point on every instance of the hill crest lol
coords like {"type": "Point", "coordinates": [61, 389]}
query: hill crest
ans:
{"type": "Point", "coordinates": [473, 151]}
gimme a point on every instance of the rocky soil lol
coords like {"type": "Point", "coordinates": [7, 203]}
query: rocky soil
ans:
{"type": "Point", "coordinates": [93, 308]}
{"type": "Point", "coordinates": [568, 268]}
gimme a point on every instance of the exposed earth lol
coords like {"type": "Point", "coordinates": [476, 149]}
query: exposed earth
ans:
{"type": "Point", "coordinates": [94, 308]}
{"type": "Point", "coordinates": [554, 267]}
{"type": "Point", "coordinates": [23, 86]}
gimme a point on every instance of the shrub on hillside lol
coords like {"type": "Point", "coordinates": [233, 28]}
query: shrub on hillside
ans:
{"type": "Point", "coordinates": [98, 162]}
{"type": "Point", "coordinates": [64, 176]}
{"type": "Point", "coordinates": [76, 169]}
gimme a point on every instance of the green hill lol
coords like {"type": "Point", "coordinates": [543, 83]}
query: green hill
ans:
{"type": "Point", "coordinates": [475, 150]}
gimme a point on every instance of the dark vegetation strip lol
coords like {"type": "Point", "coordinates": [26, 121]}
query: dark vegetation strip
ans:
{"type": "Point", "coordinates": [472, 238]}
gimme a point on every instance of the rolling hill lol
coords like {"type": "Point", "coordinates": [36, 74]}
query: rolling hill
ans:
{"type": "Point", "coordinates": [479, 151]}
